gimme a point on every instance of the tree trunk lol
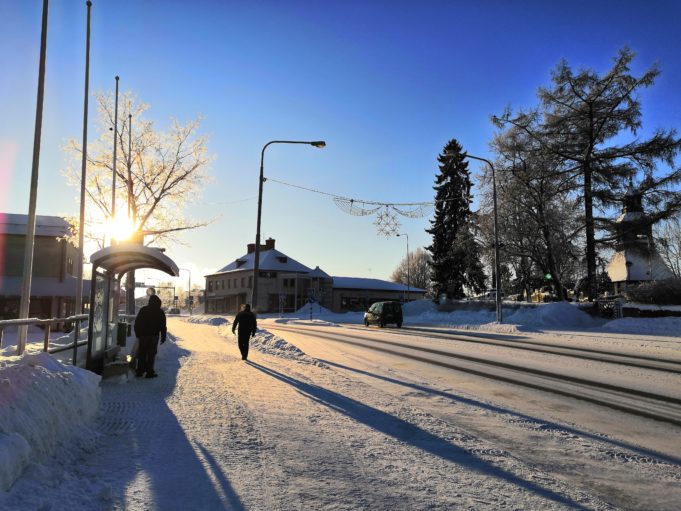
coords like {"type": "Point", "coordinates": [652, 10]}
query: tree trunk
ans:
{"type": "Point", "coordinates": [590, 235]}
{"type": "Point", "coordinates": [551, 260]}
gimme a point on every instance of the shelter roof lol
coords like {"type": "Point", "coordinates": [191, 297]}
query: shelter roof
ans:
{"type": "Point", "coordinates": [120, 259]}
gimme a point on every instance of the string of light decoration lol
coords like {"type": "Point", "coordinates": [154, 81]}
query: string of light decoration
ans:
{"type": "Point", "coordinates": [386, 213]}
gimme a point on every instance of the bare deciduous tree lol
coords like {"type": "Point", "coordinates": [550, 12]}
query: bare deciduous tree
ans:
{"type": "Point", "coordinates": [166, 168]}
{"type": "Point", "coordinates": [668, 243]}
{"type": "Point", "coordinates": [419, 270]}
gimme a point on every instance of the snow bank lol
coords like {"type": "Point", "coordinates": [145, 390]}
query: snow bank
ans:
{"type": "Point", "coordinates": [418, 307]}
{"type": "Point", "coordinates": [669, 326]}
{"type": "Point", "coordinates": [35, 338]}
{"type": "Point", "coordinates": [517, 317]}
{"type": "Point", "coordinates": [42, 404]}
{"type": "Point", "coordinates": [208, 320]}
{"type": "Point", "coordinates": [266, 342]}
{"type": "Point", "coordinates": [557, 315]}
{"type": "Point", "coordinates": [317, 310]}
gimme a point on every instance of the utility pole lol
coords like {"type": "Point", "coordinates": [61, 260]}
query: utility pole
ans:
{"type": "Point", "coordinates": [83, 173]}
{"type": "Point", "coordinates": [25, 302]}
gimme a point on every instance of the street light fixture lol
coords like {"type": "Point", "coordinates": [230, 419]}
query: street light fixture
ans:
{"type": "Point", "coordinates": [497, 264]}
{"type": "Point", "coordinates": [408, 278]}
{"type": "Point", "coordinates": [256, 263]}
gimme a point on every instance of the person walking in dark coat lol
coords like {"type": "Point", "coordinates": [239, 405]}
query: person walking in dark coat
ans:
{"type": "Point", "coordinates": [149, 323]}
{"type": "Point", "coordinates": [247, 324]}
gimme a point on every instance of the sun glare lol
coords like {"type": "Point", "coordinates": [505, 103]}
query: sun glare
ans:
{"type": "Point", "coordinates": [121, 227]}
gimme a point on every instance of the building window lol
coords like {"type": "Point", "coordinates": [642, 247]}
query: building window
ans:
{"type": "Point", "coordinates": [229, 284]}
{"type": "Point", "coordinates": [69, 265]}
{"type": "Point", "coordinates": [243, 281]}
{"type": "Point", "coordinates": [235, 285]}
{"type": "Point", "coordinates": [210, 285]}
{"type": "Point", "coordinates": [250, 282]}
{"type": "Point", "coordinates": [223, 284]}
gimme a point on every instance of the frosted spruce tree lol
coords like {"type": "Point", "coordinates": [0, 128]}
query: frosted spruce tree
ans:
{"type": "Point", "coordinates": [456, 254]}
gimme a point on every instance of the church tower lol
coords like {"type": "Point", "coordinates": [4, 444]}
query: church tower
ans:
{"type": "Point", "coordinates": [636, 259]}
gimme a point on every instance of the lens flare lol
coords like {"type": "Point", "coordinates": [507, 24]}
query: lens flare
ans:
{"type": "Point", "coordinates": [121, 227]}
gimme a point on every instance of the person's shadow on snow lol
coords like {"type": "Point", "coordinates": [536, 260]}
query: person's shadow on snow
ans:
{"type": "Point", "coordinates": [144, 447]}
{"type": "Point", "coordinates": [409, 433]}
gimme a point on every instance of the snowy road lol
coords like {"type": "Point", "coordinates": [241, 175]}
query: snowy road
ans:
{"type": "Point", "coordinates": [309, 423]}
{"type": "Point", "coordinates": [656, 398]}
{"type": "Point", "coordinates": [637, 465]}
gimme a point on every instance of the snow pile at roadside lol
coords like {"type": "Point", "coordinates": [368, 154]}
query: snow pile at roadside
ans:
{"type": "Point", "coordinates": [519, 317]}
{"type": "Point", "coordinates": [208, 320]}
{"type": "Point", "coordinates": [42, 405]}
{"type": "Point", "coordinates": [317, 310]}
{"type": "Point", "coordinates": [266, 342]}
{"type": "Point", "coordinates": [323, 314]}
{"type": "Point", "coordinates": [557, 315]}
{"type": "Point", "coordinates": [418, 307]}
{"type": "Point", "coordinates": [668, 326]}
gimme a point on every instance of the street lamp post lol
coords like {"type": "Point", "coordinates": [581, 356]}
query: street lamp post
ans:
{"type": "Point", "coordinates": [497, 263]}
{"type": "Point", "coordinates": [408, 265]}
{"type": "Point", "coordinates": [256, 262]}
{"type": "Point", "coordinates": [113, 177]}
{"type": "Point", "coordinates": [189, 273]}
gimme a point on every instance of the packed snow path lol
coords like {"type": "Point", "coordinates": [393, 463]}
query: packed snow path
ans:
{"type": "Point", "coordinates": [277, 433]}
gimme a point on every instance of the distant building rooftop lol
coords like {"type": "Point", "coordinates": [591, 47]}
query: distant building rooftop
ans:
{"type": "Point", "coordinates": [16, 224]}
{"type": "Point", "coordinates": [371, 284]}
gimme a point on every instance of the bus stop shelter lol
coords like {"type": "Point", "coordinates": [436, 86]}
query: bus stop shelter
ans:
{"type": "Point", "coordinates": [108, 267]}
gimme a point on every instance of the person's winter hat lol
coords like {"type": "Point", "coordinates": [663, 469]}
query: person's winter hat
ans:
{"type": "Point", "coordinates": [155, 301]}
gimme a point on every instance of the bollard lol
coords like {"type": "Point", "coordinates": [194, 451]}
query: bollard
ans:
{"type": "Point", "coordinates": [46, 340]}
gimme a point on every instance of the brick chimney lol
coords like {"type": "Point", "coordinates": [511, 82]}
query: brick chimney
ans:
{"type": "Point", "coordinates": [250, 248]}
{"type": "Point", "coordinates": [269, 244]}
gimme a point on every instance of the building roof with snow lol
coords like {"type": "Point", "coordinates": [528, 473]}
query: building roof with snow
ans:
{"type": "Point", "coordinates": [371, 284]}
{"type": "Point", "coordinates": [54, 226]}
{"type": "Point", "coordinates": [271, 259]}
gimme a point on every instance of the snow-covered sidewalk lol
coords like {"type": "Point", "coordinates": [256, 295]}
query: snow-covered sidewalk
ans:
{"type": "Point", "coordinates": [281, 431]}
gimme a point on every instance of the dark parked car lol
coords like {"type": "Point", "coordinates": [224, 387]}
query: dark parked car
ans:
{"type": "Point", "coordinates": [383, 313]}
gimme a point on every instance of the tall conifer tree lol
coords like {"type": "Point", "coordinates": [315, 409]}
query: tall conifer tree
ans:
{"type": "Point", "coordinates": [456, 261]}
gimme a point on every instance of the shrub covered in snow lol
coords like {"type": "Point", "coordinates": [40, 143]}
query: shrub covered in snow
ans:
{"type": "Point", "coordinates": [659, 292]}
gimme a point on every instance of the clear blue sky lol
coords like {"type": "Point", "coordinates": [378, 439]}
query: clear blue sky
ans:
{"type": "Point", "coordinates": [385, 83]}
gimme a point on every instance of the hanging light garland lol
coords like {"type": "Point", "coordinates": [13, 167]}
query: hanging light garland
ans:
{"type": "Point", "coordinates": [386, 213]}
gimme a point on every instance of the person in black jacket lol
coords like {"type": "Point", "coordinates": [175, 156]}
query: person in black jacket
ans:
{"type": "Point", "coordinates": [247, 324]}
{"type": "Point", "coordinates": [150, 321]}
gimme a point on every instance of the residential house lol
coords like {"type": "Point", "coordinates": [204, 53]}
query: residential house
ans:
{"type": "Point", "coordinates": [54, 280]}
{"type": "Point", "coordinates": [285, 285]}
